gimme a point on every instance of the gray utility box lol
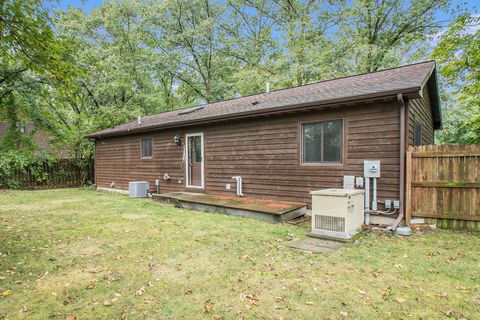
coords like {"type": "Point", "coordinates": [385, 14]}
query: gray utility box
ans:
{"type": "Point", "coordinates": [138, 189]}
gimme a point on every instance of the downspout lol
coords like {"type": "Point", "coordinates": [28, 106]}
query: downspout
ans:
{"type": "Point", "coordinates": [403, 148]}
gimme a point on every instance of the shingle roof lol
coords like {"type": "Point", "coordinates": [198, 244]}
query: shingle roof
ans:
{"type": "Point", "coordinates": [405, 79]}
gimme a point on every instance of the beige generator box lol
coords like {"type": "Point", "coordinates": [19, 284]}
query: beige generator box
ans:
{"type": "Point", "coordinates": [337, 213]}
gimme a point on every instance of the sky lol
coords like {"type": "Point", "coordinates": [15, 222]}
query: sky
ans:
{"type": "Point", "coordinates": [89, 4]}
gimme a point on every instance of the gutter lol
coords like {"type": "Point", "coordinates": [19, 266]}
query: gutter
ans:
{"type": "Point", "coordinates": [403, 148]}
{"type": "Point", "coordinates": [410, 92]}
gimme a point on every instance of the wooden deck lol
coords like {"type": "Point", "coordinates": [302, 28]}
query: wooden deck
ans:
{"type": "Point", "coordinates": [270, 210]}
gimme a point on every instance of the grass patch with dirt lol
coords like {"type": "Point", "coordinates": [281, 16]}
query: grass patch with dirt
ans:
{"type": "Point", "coordinates": [81, 254]}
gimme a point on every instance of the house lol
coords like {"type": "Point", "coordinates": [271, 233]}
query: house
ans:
{"type": "Point", "coordinates": [283, 143]}
{"type": "Point", "coordinates": [40, 139]}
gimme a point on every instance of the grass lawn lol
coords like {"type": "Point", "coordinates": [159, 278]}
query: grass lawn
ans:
{"type": "Point", "coordinates": [81, 254]}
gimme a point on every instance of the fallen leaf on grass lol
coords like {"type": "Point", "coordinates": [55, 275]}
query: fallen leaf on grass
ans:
{"type": "Point", "coordinates": [253, 298]}
{"type": "Point", "coordinates": [399, 266]}
{"type": "Point", "coordinates": [400, 300]}
{"type": "Point", "coordinates": [5, 293]}
{"type": "Point", "coordinates": [450, 259]}
{"type": "Point", "coordinates": [361, 292]}
{"type": "Point", "coordinates": [107, 303]}
{"type": "Point", "coordinates": [71, 318]}
{"type": "Point", "coordinates": [151, 264]}
{"type": "Point", "coordinates": [309, 303]}
{"type": "Point", "coordinates": [433, 270]}
{"type": "Point", "coordinates": [98, 270]}
{"type": "Point", "coordinates": [448, 313]}
{"type": "Point", "coordinates": [476, 300]}
{"type": "Point", "coordinates": [140, 291]}
{"type": "Point", "coordinates": [344, 314]}
{"type": "Point", "coordinates": [208, 307]}
{"type": "Point", "coordinates": [3, 278]}
{"type": "Point", "coordinates": [92, 285]}
{"type": "Point", "coordinates": [248, 258]}
{"type": "Point", "coordinates": [375, 273]}
{"type": "Point", "coordinates": [188, 291]}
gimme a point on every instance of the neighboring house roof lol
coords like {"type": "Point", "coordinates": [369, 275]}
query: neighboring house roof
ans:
{"type": "Point", "coordinates": [41, 138]}
{"type": "Point", "coordinates": [408, 80]}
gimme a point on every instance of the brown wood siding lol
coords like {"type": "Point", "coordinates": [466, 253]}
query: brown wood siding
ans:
{"type": "Point", "coordinates": [420, 110]}
{"type": "Point", "coordinates": [265, 152]}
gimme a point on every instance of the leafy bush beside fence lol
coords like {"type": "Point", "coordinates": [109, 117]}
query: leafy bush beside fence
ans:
{"type": "Point", "coordinates": [22, 171]}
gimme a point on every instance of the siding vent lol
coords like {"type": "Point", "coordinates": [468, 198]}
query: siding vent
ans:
{"type": "Point", "coordinates": [330, 223]}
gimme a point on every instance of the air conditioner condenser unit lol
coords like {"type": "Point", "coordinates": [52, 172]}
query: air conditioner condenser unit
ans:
{"type": "Point", "coordinates": [337, 213]}
{"type": "Point", "coordinates": [138, 189]}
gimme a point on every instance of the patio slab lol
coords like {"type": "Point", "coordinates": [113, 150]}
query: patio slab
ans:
{"type": "Point", "coordinates": [263, 209]}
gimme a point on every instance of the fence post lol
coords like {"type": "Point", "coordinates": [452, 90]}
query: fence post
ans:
{"type": "Point", "coordinates": [408, 182]}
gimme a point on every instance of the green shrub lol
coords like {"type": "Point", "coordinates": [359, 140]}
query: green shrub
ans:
{"type": "Point", "coordinates": [20, 169]}
{"type": "Point", "coordinates": [10, 163]}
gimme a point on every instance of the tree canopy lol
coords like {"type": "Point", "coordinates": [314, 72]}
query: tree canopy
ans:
{"type": "Point", "coordinates": [458, 54]}
{"type": "Point", "coordinates": [75, 71]}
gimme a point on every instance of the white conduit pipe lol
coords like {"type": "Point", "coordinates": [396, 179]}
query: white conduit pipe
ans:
{"type": "Point", "coordinates": [374, 194]}
{"type": "Point", "coordinates": [367, 200]}
{"type": "Point", "coordinates": [239, 185]}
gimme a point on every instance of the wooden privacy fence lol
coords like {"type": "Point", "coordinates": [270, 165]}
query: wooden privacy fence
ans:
{"type": "Point", "coordinates": [58, 174]}
{"type": "Point", "coordinates": [443, 183]}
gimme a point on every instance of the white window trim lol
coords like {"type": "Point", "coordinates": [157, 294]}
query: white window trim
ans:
{"type": "Point", "coordinates": [187, 167]}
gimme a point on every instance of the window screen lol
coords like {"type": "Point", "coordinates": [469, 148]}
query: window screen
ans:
{"type": "Point", "coordinates": [146, 148]}
{"type": "Point", "coordinates": [322, 142]}
{"type": "Point", "coordinates": [418, 133]}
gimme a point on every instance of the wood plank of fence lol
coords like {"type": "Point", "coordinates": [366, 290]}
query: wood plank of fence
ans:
{"type": "Point", "coordinates": [58, 174]}
{"type": "Point", "coordinates": [443, 182]}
